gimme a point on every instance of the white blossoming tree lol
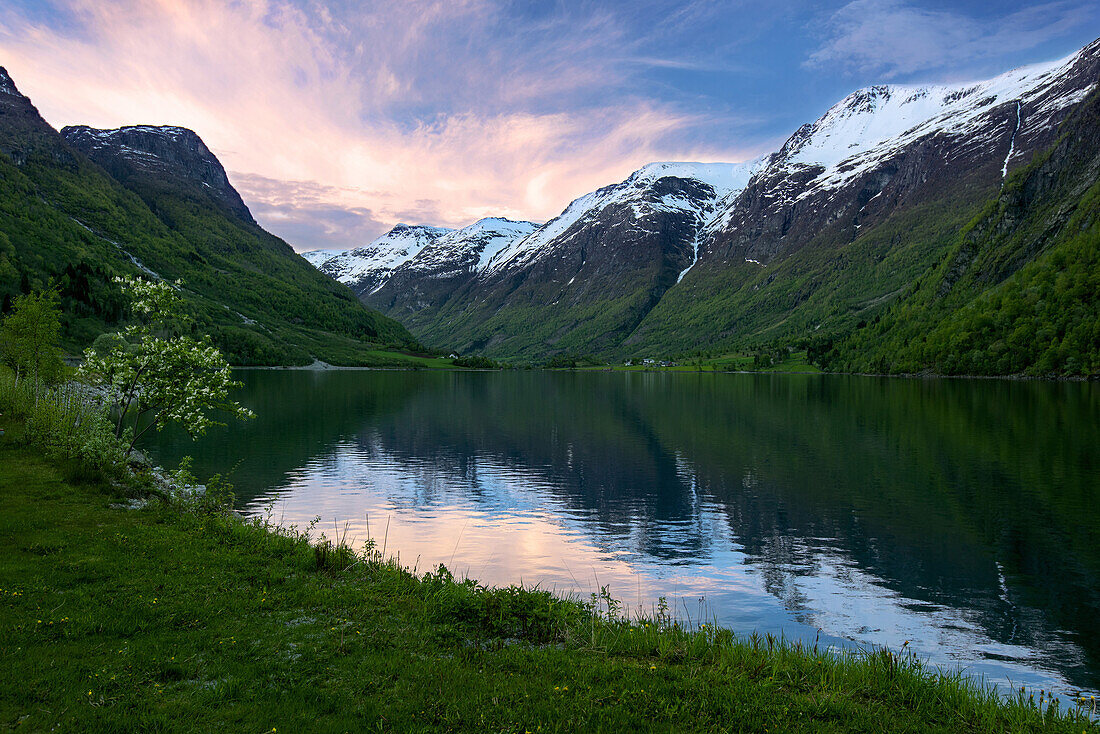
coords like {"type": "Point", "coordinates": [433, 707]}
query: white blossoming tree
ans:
{"type": "Point", "coordinates": [154, 377]}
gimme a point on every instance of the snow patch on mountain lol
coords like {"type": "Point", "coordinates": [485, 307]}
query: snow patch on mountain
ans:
{"type": "Point", "coordinates": [1012, 143]}
{"type": "Point", "coordinates": [723, 179]}
{"type": "Point", "coordinates": [434, 251]}
{"type": "Point", "coordinates": [7, 86]}
{"type": "Point", "coordinates": [317, 258]}
{"type": "Point", "coordinates": [873, 124]}
{"type": "Point", "coordinates": [469, 248]}
{"type": "Point", "coordinates": [694, 257]}
{"type": "Point", "coordinates": [369, 267]}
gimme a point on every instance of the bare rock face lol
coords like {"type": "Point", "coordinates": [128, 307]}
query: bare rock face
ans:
{"type": "Point", "coordinates": [23, 132]}
{"type": "Point", "coordinates": [164, 152]}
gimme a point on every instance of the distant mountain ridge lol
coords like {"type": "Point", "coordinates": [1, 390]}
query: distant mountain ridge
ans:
{"type": "Point", "coordinates": [812, 239]}
{"type": "Point", "coordinates": [367, 268]}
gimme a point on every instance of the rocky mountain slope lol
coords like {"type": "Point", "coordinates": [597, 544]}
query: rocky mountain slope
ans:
{"type": "Point", "coordinates": [813, 239]}
{"type": "Point", "coordinates": [530, 287]}
{"type": "Point", "coordinates": [166, 152]}
{"type": "Point", "coordinates": [451, 261]}
{"type": "Point", "coordinates": [155, 201]}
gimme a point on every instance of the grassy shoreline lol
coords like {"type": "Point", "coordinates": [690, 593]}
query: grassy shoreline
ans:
{"type": "Point", "coordinates": [180, 616]}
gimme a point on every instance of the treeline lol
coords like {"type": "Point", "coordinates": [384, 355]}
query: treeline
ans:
{"type": "Point", "coordinates": [477, 362]}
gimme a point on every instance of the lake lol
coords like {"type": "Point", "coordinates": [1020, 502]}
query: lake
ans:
{"type": "Point", "coordinates": [960, 516]}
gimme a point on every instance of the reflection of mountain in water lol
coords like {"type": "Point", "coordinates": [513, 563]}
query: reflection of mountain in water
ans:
{"type": "Point", "coordinates": [965, 495]}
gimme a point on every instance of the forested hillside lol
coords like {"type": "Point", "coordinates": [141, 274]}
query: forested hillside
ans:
{"type": "Point", "coordinates": [66, 223]}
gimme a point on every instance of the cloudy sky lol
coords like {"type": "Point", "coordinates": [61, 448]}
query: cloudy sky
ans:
{"type": "Point", "coordinates": [337, 120]}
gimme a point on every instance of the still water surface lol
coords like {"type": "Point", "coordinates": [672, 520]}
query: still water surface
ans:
{"type": "Point", "coordinates": [960, 516]}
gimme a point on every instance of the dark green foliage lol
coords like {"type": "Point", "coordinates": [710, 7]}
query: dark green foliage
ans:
{"type": "Point", "coordinates": [509, 612]}
{"type": "Point", "coordinates": [959, 285]}
{"type": "Point", "coordinates": [561, 362]}
{"type": "Point", "coordinates": [826, 287]}
{"type": "Point", "coordinates": [533, 318]}
{"type": "Point", "coordinates": [30, 336]}
{"type": "Point", "coordinates": [61, 422]}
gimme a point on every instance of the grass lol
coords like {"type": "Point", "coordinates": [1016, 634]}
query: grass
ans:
{"type": "Point", "coordinates": [183, 618]}
{"type": "Point", "coordinates": [407, 359]}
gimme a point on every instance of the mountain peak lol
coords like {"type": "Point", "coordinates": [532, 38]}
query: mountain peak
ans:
{"type": "Point", "coordinates": [414, 229]}
{"type": "Point", "coordinates": [135, 139]}
{"type": "Point", "coordinates": [167, 152]}
{"type": "Point", "coordinates": [7, 85]}
{"type": "Point", "coordinates": [871, 123]}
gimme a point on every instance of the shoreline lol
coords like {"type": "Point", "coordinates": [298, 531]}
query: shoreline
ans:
{"type": "Point", "coordinates": [319, 366]}
{"type": "Point", "coordinates": [221, 622]}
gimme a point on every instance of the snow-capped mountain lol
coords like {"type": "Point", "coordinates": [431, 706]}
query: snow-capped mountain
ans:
{"type": "Point", "coordinates": [622, 263]}
{"type": "Point", "coordinates": [448, 263]}
{"type": "Point", "coordinates": [494, 245]}
{"type": "Point", "coordinates": [885, 146]}
{"type": "Point", "coordinates": [642, 195]}
{"type": "Point", "coordinates": [366, 269]}
{"type": "Point", "coordinates": [629, 242]}
{"type": "Point", "coordinates": [409, 253]}
{"type": "Point", "coordinates": [873, 124]}
{"type": "Point", "coordinates": [166, 151]}
{"type": "Point", "coordinates": [469, 249]}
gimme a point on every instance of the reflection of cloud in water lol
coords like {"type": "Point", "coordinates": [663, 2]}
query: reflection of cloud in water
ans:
{"type": "Point", "coordinates": [498, 523]}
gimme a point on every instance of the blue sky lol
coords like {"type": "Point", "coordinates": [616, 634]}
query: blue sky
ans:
{"type": "Point", "coordinates": [338, 119]}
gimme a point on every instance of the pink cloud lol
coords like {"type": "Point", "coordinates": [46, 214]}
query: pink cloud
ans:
{"type": "Point", "coordinates": [287, 95]}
